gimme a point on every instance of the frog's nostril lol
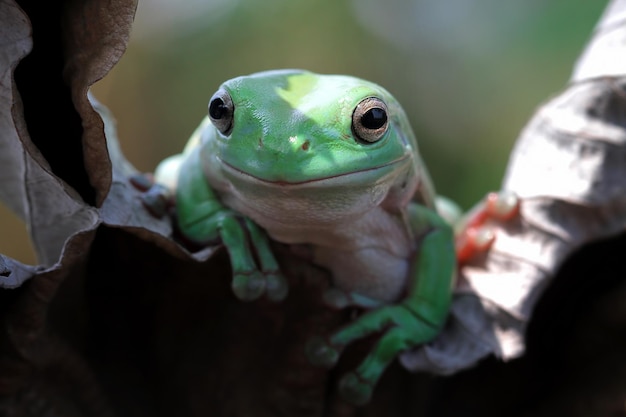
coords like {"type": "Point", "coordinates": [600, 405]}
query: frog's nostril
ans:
{"type": "Point", "coordinates": [296, 142]}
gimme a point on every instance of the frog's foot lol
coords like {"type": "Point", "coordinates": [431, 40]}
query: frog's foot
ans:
{"type": "Point", "coordinates": [156, 198]}
{"type": "Point", "coordinates": [255, 270]}
{"type": "Point", "coordinates": [250, 285]}
{"type": "Point", "coordinates": [402, 328]}
{"type": "Point", "coordinates": [477, 234]}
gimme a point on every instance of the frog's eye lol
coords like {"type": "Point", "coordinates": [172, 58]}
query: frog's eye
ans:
{"type": "Point", "coordinates": [221, 111]}
{"type": "Point", "coordinates": [369, 120]}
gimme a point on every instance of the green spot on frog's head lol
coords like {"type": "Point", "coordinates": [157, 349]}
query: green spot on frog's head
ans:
{"type": "Point", "coordinates": [295, 127]}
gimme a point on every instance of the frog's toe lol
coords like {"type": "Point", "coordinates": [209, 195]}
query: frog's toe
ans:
{"type": "Point", "coordinates": [248, 286]}
{"type": "Point", "coordinates": [481, 238]}
{"type": "Point", "coordinates": [320, 353]}
{"type": "Point", "coordinates": [277, 287]}
{"type": "Point", "coordinates": [503, 205]}
{"type": "Point", "coordinates": [355, 390]}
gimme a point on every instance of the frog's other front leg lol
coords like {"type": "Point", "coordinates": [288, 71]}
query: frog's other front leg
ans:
{"type": "Point", "coordinates": [415, 320]}
{"type": "Point", "coordinates": [202, 218]}
{"type": "Point", "coordinates": [474, 233]}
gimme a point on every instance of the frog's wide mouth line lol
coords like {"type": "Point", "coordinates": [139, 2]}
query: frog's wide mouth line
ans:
{"type": "Point", "coordinates": [282, 183]}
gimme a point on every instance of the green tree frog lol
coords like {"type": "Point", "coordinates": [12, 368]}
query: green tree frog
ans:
{"type": "Point", "coordinates": [330, 163]}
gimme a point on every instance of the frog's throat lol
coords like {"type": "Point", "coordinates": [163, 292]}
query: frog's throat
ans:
{"type": "Point", "coordinates": [233, 170]}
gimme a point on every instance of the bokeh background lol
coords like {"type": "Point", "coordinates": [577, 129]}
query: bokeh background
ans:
{"type": "Point", "coordinates": [469, 72]}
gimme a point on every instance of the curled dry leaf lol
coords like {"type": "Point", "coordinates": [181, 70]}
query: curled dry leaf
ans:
{"type": "Point", "coordinates": [33, 182]}
{"type": "Point", "coordinates": [568, 169]}
{"type": "Point", "coordinates": [53, 211]}
{"type": "Point", "coordinates": [31, 186]}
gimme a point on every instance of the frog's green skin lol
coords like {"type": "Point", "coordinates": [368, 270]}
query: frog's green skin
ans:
{"type": "Point", "coordinates": [291, 160]}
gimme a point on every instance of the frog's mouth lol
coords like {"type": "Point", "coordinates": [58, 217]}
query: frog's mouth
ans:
{"type": "Point", "coordinates": [364, 175]}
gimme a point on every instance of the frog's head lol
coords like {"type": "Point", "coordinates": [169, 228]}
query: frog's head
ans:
{"type": "Point", "coordinates": [302, 134]}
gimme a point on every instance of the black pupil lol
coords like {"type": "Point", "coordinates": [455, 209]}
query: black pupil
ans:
{"type": "Point", "coordinates": [374, 118]}
{"type": "Point", "coordinates": [217, 109]}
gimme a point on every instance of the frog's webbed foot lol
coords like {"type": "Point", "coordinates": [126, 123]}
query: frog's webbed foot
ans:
{"type": "Point", "coordinates": [402, 327]}
{"type": "Point", "coordinates": [476, 234]}
{"type": "Point", "coordinates": [251, 281]}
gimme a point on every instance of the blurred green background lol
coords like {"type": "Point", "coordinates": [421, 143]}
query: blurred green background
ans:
{"type": "Point", "coordinates": [469, 72]}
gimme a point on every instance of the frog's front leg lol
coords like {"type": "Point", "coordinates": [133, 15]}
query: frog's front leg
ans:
{"type": "Point", "coordinates": [202, 218]}
{"type": "Point", "coordinates": [415, 320]}
{"type": "Point", "coordinates": [474, 231]}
